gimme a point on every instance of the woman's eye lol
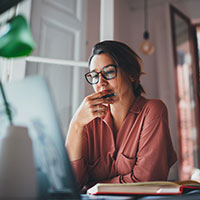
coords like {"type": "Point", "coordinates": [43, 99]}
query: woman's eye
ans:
{"type": "Point", "coordinates": [109, 73]}
{"type": "Point", "coordinates": [95, 76]}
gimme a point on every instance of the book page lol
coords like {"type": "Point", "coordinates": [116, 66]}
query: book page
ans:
{"type": "Point", "coordinates": [188, 182]}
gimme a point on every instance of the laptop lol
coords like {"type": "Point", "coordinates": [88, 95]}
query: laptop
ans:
{"type": "Point", "coordinates": [32, 106]}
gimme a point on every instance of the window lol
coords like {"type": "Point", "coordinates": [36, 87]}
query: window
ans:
{"type": "Point", "coordinates": [187, 93]}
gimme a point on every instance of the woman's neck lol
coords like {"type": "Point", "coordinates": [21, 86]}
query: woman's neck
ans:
{"type": "Point", "coordinates": [120, 109]}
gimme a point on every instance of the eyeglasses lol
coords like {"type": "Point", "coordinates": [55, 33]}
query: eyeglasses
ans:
{"type": "Point", "coordinates": [108, 72]}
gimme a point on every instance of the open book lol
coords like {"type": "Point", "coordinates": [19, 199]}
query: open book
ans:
{"type": "Point", "coordinates": [143, 188]}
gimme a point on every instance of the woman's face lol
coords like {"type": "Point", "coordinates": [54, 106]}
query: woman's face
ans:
{"type": "Point", "coordinates": [121, 84]}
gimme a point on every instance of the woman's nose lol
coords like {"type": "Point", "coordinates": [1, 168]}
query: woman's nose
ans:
{"type": "Point", "coordinates": [102, 80]}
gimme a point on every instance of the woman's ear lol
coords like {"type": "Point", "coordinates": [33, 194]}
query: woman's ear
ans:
{"type": "Point", "coordinates": [131, 79]}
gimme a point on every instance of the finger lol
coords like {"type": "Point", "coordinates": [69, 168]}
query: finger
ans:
{"type": "Point", "coordinates": [102, 101]}
{"type": "Point", "coordinates": [99, 95]}
{"type": "Point", "coordinates": [100, 108]}
{"type": "Point", "coordinates": [99, 113]}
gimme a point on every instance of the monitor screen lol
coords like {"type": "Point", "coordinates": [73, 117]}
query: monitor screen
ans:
{"type": "Point", "coordinates": [32, 106]}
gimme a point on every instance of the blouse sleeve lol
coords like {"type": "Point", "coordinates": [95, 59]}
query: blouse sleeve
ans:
{"type": "Point", "coordinates": [79, 166]}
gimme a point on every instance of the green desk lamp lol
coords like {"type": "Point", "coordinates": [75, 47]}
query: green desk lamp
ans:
{"type": "Point", "coordinates": [15, 41]}
{"type": "Point", "coordinates": [15, 38]}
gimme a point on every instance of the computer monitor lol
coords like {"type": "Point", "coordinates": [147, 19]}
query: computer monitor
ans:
{"type": "Point", "coordinates": [32, 106]}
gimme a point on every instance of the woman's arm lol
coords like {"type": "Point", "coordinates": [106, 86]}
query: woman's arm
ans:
{"type": "Point", "coordinates": [91, 108]}
{"type": "Point", "coordinates": [74, 140]}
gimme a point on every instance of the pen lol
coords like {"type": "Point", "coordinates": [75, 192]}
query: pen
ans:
{"type": "Point", "coordinates": [108, 95]}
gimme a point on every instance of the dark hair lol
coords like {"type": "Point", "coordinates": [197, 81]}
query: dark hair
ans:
{"type": "Point", "coordinates": [125, 58]}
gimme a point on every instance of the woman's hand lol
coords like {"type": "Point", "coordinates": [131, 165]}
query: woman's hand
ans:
{"type": "Point", "coordinates": [93, 106]}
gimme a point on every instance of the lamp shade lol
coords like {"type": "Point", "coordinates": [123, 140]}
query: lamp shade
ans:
{"type": "Point", "coordinates": [146, 47]}
{"type": "Point", "coordinates": [16, 38]}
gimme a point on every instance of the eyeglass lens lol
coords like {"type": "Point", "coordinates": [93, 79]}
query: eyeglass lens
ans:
{"type": "Point", "coordinates": [108, 72]}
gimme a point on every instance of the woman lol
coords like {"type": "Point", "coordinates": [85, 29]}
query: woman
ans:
{"type": "Point", "coordinates": [117, 135]}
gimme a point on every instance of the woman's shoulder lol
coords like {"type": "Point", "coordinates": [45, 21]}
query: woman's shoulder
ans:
{"type": "Point", "coordinates": [142, 104]}
{"type": "Point", "coordinates": [155, 103]}
{"type": "Point", "coordinates": [155, 106]}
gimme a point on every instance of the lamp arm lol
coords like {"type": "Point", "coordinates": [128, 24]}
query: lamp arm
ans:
{"type": "Point", "coordinates": [7, 107]}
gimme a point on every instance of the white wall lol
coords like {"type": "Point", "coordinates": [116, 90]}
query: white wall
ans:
{"type": "Point", "coordinates": [93, 25]}
{"type": "Point", "coordinates": [93, 32]}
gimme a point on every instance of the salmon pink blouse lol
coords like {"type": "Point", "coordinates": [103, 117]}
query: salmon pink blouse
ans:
{"type": "Point", "coordinates": [141, 151]}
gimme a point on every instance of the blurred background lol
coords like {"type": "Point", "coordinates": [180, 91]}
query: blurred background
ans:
{"type": "Point", "coordinates": [65, 31]}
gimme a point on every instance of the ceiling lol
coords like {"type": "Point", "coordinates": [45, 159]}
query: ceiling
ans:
{"type": "Point", "coordinates": [139, 4]}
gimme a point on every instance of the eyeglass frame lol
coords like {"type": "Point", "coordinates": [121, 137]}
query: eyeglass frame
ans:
{"type": "Point", "coordinates": [115, 66]}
